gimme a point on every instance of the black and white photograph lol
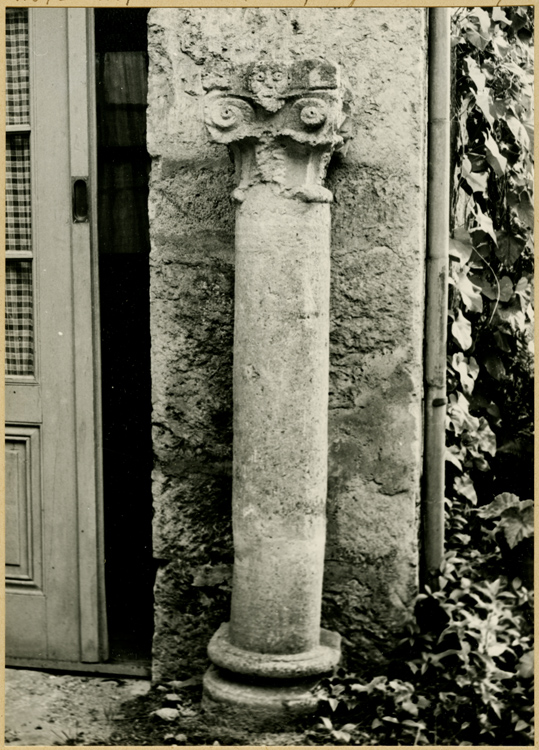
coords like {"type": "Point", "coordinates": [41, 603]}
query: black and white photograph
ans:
{"type": "Point", "coordinates": [269, 391]}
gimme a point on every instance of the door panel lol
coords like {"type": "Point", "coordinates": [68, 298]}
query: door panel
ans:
{"type": "Point", "coordinates": [23, 508]}
{"type": "Point", "coordinates": [52, 439]}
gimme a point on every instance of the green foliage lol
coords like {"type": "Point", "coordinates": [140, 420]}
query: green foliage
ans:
{"type": "Point", "coordinates": [463, 672]}
{"type": "Point", "coordinates": [490, 347]}
{"type": "Point", "coordinates": [514, 517]}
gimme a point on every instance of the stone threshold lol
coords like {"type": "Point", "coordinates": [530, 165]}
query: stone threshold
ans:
{"type": "Point", "coordinates": [135, 668]}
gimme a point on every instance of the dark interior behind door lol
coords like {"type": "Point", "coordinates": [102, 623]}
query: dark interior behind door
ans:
{"type": "Point", "coordinates": [123, 169]}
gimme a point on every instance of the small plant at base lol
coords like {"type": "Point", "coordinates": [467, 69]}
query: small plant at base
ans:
{"type": "Point", "coordinates": [470, 686]}
{"type": "Point", "coordinates": [463, 671]}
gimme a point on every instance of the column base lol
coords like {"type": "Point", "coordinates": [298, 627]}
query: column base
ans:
{"type": "Point", "coordinates": [317, 661]}
{"type": "Point", "coordinates": [255, 707]}
{"type": "Point", "coordinates": [264, 692]}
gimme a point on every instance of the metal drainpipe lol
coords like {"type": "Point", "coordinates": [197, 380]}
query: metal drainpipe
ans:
{"type": "Point", "coordinates": [438, 208]}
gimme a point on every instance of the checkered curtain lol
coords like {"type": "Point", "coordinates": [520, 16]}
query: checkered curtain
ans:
{"type": "Point", "coordinates": [19, 318]}
{"type": "Point", "coordinates": [18, 193]}
{"type": "Point", "coordinates": [19, 300]}
{"type": "Point", "coordinates": [17, 67]}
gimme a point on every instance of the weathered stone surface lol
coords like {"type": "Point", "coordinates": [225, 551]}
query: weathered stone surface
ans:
{"type": "Point", "coordinates": [322, 658]}
{"type": "Point", "coordinates": [256, 707]}
{"type": "Point", "coordinates": [376, 317]}
{"type": "Point", "coordinates": [281, 362]}
{"type": "Point", "coordinates": [191, 298]}
{"type": "Point", "coordinates": [282, 123]}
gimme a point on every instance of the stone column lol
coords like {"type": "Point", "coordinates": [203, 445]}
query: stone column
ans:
{"type": "Point", "coordinates": [281, 123]}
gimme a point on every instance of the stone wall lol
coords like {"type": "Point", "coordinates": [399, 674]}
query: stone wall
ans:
{"type": "Point", "coordinates": [377, 292]}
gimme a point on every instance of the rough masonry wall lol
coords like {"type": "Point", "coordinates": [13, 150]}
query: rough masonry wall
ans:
{"type": "Point", "coordinates": [377, 292]}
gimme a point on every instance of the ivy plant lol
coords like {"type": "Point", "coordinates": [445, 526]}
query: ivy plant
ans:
{"type": "Point", "coordinates": [490, 349]}
{"type": "Point", "coordinates": [464, 671]}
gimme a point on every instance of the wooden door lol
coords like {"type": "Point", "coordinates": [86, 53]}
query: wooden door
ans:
{"type": "Point", "coordinates": [54, 567]}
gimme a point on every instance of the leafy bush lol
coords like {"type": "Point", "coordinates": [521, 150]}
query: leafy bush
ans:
{"type": "Point", "coordinates": [463, 672]}
{"type": "Point", "coordinates": [490, 343]}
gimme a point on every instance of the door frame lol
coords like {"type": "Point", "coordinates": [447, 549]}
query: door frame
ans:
{"type": "Point", "coordinates": [87, 350]}
{"type": "Point", "coordinates": [82, 155]}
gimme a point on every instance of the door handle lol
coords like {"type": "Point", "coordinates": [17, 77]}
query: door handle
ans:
{"type": "Point", "coordinates": [79, 196]}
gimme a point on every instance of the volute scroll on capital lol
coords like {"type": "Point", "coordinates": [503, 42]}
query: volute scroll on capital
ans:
{"type": "Point", "coordinates": [282, 123]}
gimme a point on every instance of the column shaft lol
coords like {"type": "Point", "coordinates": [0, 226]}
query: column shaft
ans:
{"type": "Point", "coordinates": [280, 421]}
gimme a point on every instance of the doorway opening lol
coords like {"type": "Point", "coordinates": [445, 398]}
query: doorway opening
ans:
{"type": "Point", "coordinates": [123, 166]}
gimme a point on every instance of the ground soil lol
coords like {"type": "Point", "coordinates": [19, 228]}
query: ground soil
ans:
{"type": "Point", "coordinates": [44, 708]}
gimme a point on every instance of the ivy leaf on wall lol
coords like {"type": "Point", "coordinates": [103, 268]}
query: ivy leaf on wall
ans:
{"type": "Point", "coordinates": [484, 103]}
{"type": "Point", "coordinates": [519, 131]}
{"type": "Point", "coordinates": [477, 32]}
{"type": "Point", "coordinates": [503, 341]}
{"type": "Point", "coordinates": [471, 294]}
{"type": "Point", "coordinates": [506, 289]}
{"type": "Point", "coordinates": [494, 158]}
{"type": "Point", "coordinates": [452, 454]}
{"type": "Point", "coordinates": [475, 73]}
{"type": "Point", "coordinates": [464, 486]}
{"type": "Point", "coordinates": [502, 291]}
{"type": "Point", "coordinates": [460, 246]}
{"type": "Point", "coordinates": [459, 416]}
{"type": "Point", "coordinates": [485, 437]}
{"type": "Point", "coordinates": [522, 287]}
{"type": "Point", "coordinates": [498, 16]}
{"type": "Point", "coordinates": [494, 366]}
{"type": "Point", "coordinates": [461, 330]}
{"type": "Point", "coordinates": [467, 370]}
{"type": "Point", "coordinates": [522, 204]}
{"type": "Point", "coordinates": [509, 248]}
{"type": "Point", "coordinates": [484, 224]}
{"type": "Point", "coordinates": [477, 181]}
{"type": "Point", "coordinates": [498, 505]}
{"type": "Point", "coordinates": [514, 516]}
{"type": "Point", "coordinates": [526, 665]}
{"type": "Point", "coordinates": [517, 524]}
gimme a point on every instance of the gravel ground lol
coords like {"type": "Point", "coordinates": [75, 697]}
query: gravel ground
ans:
{"type": "Point", "coordinates": [42, 708]}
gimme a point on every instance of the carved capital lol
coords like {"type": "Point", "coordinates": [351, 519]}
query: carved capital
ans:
{"type": "Point", "coordinates": [282, 123]}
